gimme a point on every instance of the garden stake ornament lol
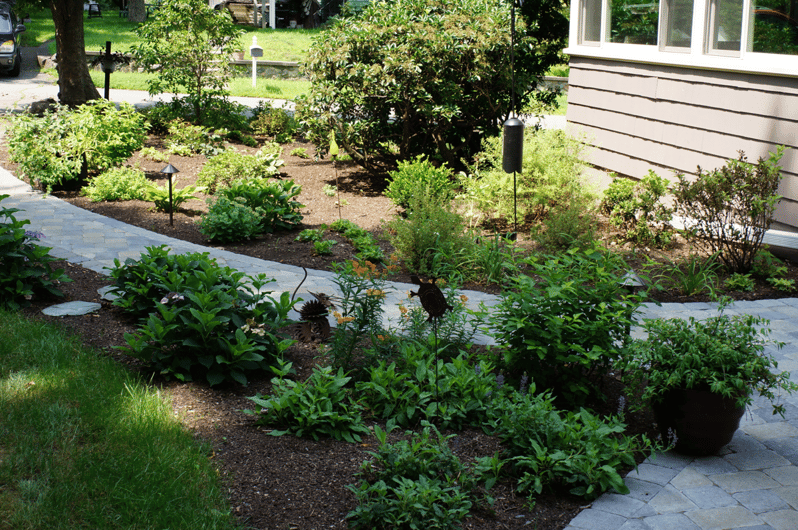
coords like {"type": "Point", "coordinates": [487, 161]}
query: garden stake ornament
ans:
{"type": "Point", "coordinates": [434, 303]}
{"type": "Point", "coordinates": [334, 154]}
{"type": "Point", "coordinates": [513, 148]}
{"type": "Point", "coordinates": [313, 315]}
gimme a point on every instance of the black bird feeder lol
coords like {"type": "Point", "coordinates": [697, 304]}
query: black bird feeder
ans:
{"type": "Point", "coordinates": [513, 148]}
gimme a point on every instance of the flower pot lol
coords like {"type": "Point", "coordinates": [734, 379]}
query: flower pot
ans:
{"type": "Point", "coordinates": [703, 422]}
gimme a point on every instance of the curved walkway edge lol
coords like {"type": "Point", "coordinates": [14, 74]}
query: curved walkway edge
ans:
{"type": "Point", "coordinates": [753, 484]}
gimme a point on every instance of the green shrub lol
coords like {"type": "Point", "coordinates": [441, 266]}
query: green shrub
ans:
{"type": "Point", "coordinates": [430, 229]}
{"type": "Point", "coordinates": [782, 284]}
{"type": "Point", "coordinates": [53, 148]}
{"type": "Point", "coordinates": [551, 450]}
{"type": "Point", "coordinates": [186, 139]}
{"type": "Point", "coordinates": [272, 200]}
{"type": "Point", "coordinates": [637, 209]}
{"type": "Point", "coordinates": [565, 319]}
{"type": "Point", "coordinates": [321, 406]}
{"type": "Point", "coordinates": [223, 169]}
{"type": "Point", "coordinates": [410, 389]}
{"type": "Point", "coordinates": [269, 121]}
{"type": "Point", "coordinates": [159, 195]}
{"type": "Point", "coordinates": [739, 282]}
{"type": "Point", "coordinates": [571, 224]}
{"type": "Point", "coordinates": [229, 220]}
{"type": "Point", "coordinates": [420, 176]}
{"type": "Point", "coordinates": [766, 265]}
{"type": "Point", "coordinates": [324, 248]}
{"type": "Point", "coordinates": [551, 176]}
{"type": "Point", "coordinates": [729, 209]}
{"type": "Point", "coordinates": [118, 184]}
{"type": "Point", "coordinates": [202, 320]}
{"type": "Point", "coordinates": [423, 77]}
{"type": "Point", "coordinates": [154, 154]}
{"type": "Point", "coordinates": [26, 270]}
{"type": "Point", "coordinates": [414, 483]}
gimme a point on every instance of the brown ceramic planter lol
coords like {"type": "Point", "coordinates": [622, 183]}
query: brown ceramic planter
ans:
{"type": "Point", "coordinates": [703, 422]}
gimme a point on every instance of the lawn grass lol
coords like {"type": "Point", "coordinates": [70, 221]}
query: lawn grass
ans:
{"type": "Point", "coordinates": [288, 45]}
{"type": "Point", "coordinates": [239, 86]}
{"type": "Point", "coordinates": [84, 444]}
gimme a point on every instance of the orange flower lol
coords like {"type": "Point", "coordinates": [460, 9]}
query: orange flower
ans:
{"type": "Point", "coordinates": [377, 293]}
{"type": "Point", "coordinates": [403, 309]}
{"type": "Point", "coordinates": [463, 299]}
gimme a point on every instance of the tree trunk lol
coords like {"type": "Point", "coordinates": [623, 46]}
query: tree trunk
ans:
{"type": "Point", "coordinates": [136, 11]}
{"type": "Point", "coordinates": [74, 83]}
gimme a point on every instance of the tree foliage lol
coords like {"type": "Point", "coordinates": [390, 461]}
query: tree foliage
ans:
{"type": "Point", "coordinates": [413, 77]}
{"type": "Point", "coordinates": [187, 44]}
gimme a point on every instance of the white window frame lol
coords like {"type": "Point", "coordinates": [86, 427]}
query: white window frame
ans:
{"type": "Point", "coordinates": [694, 57]}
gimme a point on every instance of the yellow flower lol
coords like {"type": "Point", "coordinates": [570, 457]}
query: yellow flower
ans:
{"type": "Point", "coordinates": [377, 293]}
{"type": "Point", "coordinates": [463, 299]}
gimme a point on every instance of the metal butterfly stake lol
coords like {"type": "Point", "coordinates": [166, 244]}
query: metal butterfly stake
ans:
{"type": "Point", "coordinates": [434, 303]}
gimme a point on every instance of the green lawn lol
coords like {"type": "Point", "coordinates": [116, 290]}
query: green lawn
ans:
{"type": "Point", "coordinates": [85, 444]}
{"type": "Point", "coordinates": [289, 45]}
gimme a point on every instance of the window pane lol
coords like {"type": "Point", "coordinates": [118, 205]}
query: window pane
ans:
{"type": "Point", "coordinates": [634, 21]}
{"type": "Point", "coordinates": [678, 23]}
{"type": "Point", "coordinates": [775, 29]}
{"type": "Point", "coordinates": [591, 20]}
{"type": "Point", "coordinates": [727, 24]}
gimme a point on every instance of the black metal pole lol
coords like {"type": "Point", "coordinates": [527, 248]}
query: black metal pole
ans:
{"type": "Point", "coordinates": [107, 70]}
{"type": "Point", "coordinates": [171, 208]}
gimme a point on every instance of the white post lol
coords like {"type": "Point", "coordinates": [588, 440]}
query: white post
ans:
{"type": "Point", "coordinates": [273, 13]}
{"type": "Point", "coordinates": [254, 61]}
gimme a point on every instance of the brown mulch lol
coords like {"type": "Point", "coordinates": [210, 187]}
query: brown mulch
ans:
{"type": "Point", "coordinates": [285, 482]}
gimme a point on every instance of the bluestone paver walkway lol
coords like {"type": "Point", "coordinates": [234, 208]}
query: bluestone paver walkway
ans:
{"type": "Point", "coordinates": [753, 484]}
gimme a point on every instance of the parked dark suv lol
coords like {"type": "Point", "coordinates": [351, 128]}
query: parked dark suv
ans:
{"type": "Point", "coordinates": [10, 29]}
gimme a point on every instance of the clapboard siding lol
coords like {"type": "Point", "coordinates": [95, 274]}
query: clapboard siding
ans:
{"type": "Point", "coordinates": [641, 116]}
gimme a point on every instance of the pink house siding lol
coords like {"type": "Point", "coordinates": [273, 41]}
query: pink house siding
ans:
{"type": "Point", "coordinates": [642, 116]}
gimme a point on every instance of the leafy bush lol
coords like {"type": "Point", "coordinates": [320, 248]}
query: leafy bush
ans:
{"type": "Point", "coordinates": [226, 167]}
{"type": "Point", "coordinates": [202, 320]}
{"type": "Point", "coordinates": [420, 176]}
{"type": "Point", "coordinates": [728, 210]}
{"type": "Point", "coordinates": [26, 270]}
{"type": "Point", "coordinates": [766, 265]}
{"type": "Point", "coordinates": [320, 406]}
{"type": "Point", "coordinates": [739, 282]}
{"type": "Point", "coordinates": [637, 209]}
{"type": "Point", "coordinates": [218, 114]}
{"type": "Point", "coordinates": [229, 220]}
{"type": "Point", "coordinates": [269, 121]}
{"type": "Point", "coordinates": [551, 176]}
{"type": "Point", "coordinates": [324, 248]}
{"type": "Point", "coordinates": [52, 149]}
{"type": "Point", "coordinates": [550, 449]}
{"type": "Point", "coordinates": [782, 284]}
{"type": "Point", "coordinates": [430, 229]}
{"type": "Point", "coordinates": [118, 184]}
{"type": "Point", "coordinates": [566, 319]}
{"type": "Point", "coordinates": [272, 200]}
{"type": "Point", "coordinates": [412, 388]}
{"type": "Point", "coordinates": [186, 139]}
{"type": "Point", "coordinates": [422, 77]}
{"type": "Point", "coordinates": [567, 225]}
{"type": "Point", "coordinates": [159, 195]}
{"type": "Point", "coordinates": [414, 483]}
